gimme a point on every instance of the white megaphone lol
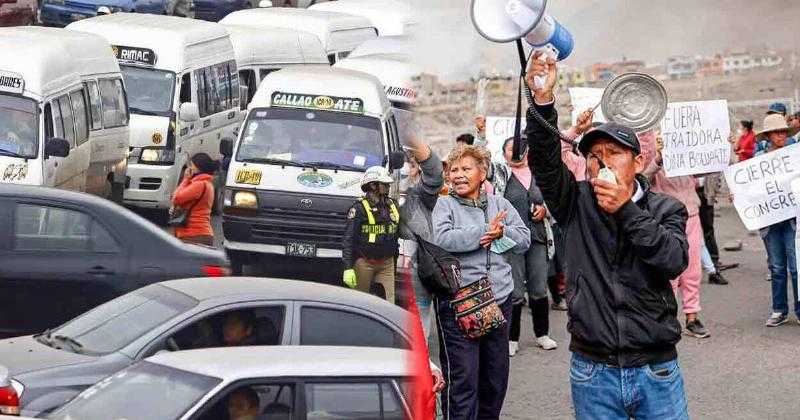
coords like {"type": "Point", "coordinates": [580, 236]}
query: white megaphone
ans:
{"type": "Point", "coordinates": [510, 20]}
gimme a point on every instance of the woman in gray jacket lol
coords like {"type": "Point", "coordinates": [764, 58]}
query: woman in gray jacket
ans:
{"type": "Point", "coordinates": [467, 223]}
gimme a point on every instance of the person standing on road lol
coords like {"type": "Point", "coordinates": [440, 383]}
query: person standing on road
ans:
{"type": "Point", "coordinates": [514, 181]}
{"type": "Point", "coordinates": [475, 227]}
{"type": "Point", "coordinates": [196, 194]}
{"type": "Point", "coordinates": [684, 188]}
{"type": "Point", "coordinates": [369, 247]}
{"type": "Point", "coordinates": [707, 189]}
{"type": "Point", "coordinates": [626, 244]}
{"type": "Point", "coordinates": [779, 238]}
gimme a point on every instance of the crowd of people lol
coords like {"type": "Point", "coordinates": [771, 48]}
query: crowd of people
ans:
{"type": "Point", "coordinates": [637, 243]}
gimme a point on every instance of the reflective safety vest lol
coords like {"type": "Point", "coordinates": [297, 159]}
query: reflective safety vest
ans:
{"type": "Point", "coordinates": [372, 229]}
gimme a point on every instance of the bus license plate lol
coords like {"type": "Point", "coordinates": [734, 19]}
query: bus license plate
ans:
{"type": "Point", "coordinates": [301, 249]}
{"type": "Point", "coordinates": [248, 176]}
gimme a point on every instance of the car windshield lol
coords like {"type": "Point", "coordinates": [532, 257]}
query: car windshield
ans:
{"type": "Point", "coordinates": [143, 391]}
{"type": "Point", "coordinates": [323, 139]}
{"type": "Point", "coordinates": [114, 324]}
{"type": "Point", "coordinates": [149, 91]}
{"type": "Point", "coordinates": [19, 128]}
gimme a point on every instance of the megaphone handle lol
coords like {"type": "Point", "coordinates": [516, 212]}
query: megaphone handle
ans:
{"type": "Point", "coordinates": [529, 96]}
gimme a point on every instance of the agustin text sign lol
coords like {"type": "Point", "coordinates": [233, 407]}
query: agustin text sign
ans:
{"type": "Point", "coordinates": [761, 187]}
{"type": "Point", "coordinates": [696, 137]}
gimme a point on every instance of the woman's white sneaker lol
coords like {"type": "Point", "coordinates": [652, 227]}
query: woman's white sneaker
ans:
{"type": "Point", "coordinates": [513, 346]}
{"type": "Point", "coordinates": [546, 343]}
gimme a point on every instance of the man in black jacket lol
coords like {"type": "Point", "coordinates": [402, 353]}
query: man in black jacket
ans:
{"type": "Point", "coordinates": [627, 243]}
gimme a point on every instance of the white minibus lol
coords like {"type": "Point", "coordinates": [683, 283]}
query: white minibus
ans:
{"type": "Point", "coordinates": [63, 112]}
{"type": "Point", "coordinates": [309, 135]}
{"type": "Point", "coordinates": [183, 90]}
{"type": "Point", "coordinates": [339, 33]}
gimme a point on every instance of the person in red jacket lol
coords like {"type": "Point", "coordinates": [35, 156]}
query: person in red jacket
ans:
{"type": "Point", "coordinates": [196, 193]}
{"type": "Point", "coordinates": [746, 145]}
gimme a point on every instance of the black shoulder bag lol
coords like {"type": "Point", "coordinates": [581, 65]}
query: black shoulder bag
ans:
{"type": "Point", "coordinates": [439, 271]}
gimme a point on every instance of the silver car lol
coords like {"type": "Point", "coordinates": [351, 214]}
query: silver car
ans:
{"type": "Point", "coordinates": [253, 382]}
{"type": "Point", "coordinates": [50, 368]}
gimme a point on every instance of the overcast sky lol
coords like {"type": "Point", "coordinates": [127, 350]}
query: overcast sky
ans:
{"type": "Point", "coordinates": [608, 30]}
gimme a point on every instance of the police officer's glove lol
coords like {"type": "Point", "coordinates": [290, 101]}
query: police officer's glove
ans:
{"type": "Point", "coordinates": [349, 278]}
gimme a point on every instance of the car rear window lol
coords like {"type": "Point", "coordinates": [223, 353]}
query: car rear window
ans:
{"type": "Point", "coordinates": [333, 327]}
{"type": "Point", "coordinates": [114, 324]}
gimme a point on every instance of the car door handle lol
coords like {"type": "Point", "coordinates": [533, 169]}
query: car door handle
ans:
{"type": "Point", "coordinates": [99, 270]}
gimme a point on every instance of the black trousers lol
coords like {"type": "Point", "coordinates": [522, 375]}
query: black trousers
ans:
{"type": "Point", "coordinates": [476, 371]}
{"type": "Point", "coordinates": [707, 222]}
{"type": "Point", "coordinates": [539, 313]}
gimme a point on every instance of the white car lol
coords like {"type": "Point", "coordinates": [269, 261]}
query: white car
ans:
{"type": "Point", "coordinates": [283, 382]}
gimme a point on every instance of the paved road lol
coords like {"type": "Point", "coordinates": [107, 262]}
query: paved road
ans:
{"type": "Point", "coordinates": [743, 371]}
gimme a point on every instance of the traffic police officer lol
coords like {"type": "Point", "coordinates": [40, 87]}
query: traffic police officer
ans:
{"type": "Point", "coordinates": [370, 240]}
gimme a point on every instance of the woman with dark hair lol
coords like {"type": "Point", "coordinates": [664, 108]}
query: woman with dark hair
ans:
{"type": "Point", "coordinates": [746, 145]}
{"type": "Point", "coordinates": [196, 195]}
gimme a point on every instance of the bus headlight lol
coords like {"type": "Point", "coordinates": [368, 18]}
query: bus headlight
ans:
{"type": "Point", "coordinates": [245, 200]}
{"type": "Point", "coordinates": [240, 199]}
{"type": "Point", "coordinates": [157, 156]}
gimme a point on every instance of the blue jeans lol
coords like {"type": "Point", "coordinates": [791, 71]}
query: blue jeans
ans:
{"type": "Point", "coordinates": [779, 241]}
{"type": "Point", "coordinates": [602, 392]}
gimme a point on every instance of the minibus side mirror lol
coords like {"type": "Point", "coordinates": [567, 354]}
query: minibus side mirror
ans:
{"type": "Point", "coordinates": [397, 160]}
{"type": "Point", "coordinates": [226, 147]}
{"type": "Point", "coordinates": [244, 93]}
{"type": "Point", "coordinates": [265, 3]}
{"type": "Point", "coordinates": [56, 147]}
{"type": "Point", "coordinates": [189, 112]}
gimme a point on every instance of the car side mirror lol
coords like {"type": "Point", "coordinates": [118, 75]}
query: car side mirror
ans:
{"type": "Point", "coordinates": [226, 147]}
{"type": "Point", "coordinates": [189, 112]}
{"type": "Point", "coordinates": [265, 3]}
{"type": "Point", "coordinates": [56, 147]}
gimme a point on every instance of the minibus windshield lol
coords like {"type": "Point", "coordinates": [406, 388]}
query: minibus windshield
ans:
{"type": "Point", "coordinates": [19, 128]}
{"type": "Point", "coordinates": [321, 139]}
{"type": "Point", "coordinates": [149, 91]}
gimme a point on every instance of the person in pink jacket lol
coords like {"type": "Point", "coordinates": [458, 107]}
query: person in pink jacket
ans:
{"type": "Point", "coordinates": [684, 189]}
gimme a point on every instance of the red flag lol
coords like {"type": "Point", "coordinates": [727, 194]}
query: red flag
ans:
{"type": "Point", "coordinates": [423, 400]}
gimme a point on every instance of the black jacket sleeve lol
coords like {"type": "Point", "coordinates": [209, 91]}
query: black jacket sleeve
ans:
{"type": "Point", "coordinates": [660, 244]}
{"type": "Point", "coordinates": [355, 218]}
{"type": "Point", "coordinates": [554, 179]}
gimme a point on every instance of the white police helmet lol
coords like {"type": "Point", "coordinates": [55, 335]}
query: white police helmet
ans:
{"type": "Point", "coordinates": [375, 174]}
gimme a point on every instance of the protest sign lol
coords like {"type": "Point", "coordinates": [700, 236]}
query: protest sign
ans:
{"type": "Point", "coordinates": [796, 192]}
{"type": "Point", "coordinates": [696, 137]}
{"type": "Point", "coordinates": [498, 129]}
{"type": "Point", "coordinates": [586, 98]}
{"type": "Point", "coordinates": [761, 187]}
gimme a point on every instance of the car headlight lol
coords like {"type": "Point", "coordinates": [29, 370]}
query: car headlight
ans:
{"type": "Point", "coordinates": [157, 155]}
